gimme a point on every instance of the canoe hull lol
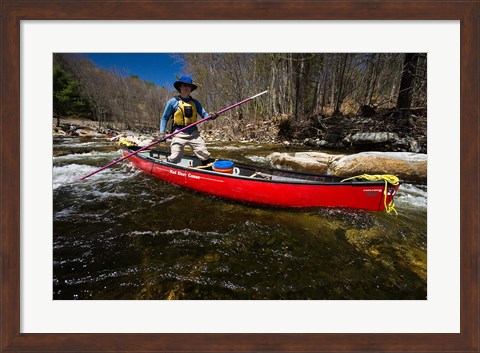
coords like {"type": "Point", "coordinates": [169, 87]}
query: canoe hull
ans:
{"type": "Point", "coordinates": [360, 195]}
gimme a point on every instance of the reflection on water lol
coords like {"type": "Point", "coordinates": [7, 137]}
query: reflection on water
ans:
{"type": "Point", "coordinates": [121, 234]}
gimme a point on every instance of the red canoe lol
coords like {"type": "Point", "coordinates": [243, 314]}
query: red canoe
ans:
{"type": "Point", "coordinates": [267, 186]}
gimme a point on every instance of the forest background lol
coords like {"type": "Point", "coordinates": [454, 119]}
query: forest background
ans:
{"type": "Point", "coordinates": [310, 95]}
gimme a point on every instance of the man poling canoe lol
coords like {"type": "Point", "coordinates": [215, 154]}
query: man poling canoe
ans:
{"type": "Point", "coordinates": [183, 110]}
{"type": "Point", "coordinates": [166, 137]}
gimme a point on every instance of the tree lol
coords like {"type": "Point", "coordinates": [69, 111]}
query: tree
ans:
{"type": "Point", "coordinates": [67, 96]}
{"type": "Point", "coordinates": [404, 101]}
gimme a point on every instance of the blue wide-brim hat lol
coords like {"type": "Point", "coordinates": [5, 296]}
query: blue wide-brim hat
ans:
{"type": "Point", "coordinates": [184, 79]}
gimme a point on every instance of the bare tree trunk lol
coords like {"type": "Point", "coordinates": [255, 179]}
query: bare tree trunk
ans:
{"type": "Point", "coordinates": [341, 75]}
{"type": "Point", "coordinates": [299, 84]}
{"type": "Point", "coordinates": [404, 100]}
{"type": "Point", "coordinates": [273, 91]}
{"type": "Point", "coordinates": [372, 80]}
{"type": "Point", "coordinates": [406, 84]}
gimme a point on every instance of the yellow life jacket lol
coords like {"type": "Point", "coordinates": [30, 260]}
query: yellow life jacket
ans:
{"type": "Point", "coordinates": [186, 113]}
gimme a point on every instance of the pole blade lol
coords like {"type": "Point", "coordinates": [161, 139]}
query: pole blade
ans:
{"type": "Point", "coordinates": [259, 94]}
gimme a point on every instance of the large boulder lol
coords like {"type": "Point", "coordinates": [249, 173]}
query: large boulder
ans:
{"type": "Point", "coordinates": [311, 162]}
{"type": "Point", "coordinates": [411, 167]}
{"type": "Point", "coordinates": [136, 139]}
{"type": "Point", "coordinates": [372, 138]}
{"type": "Point", "coordinates": [405, 165]}
{"type": "Point", "coordinates": [58, 132]}
{"type": "Point", "coordinates": [87, 132]}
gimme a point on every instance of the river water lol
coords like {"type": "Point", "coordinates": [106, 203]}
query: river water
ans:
{"type": "Point", "coordinates": [122, 234]}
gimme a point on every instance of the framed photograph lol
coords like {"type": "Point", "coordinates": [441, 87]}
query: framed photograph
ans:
{"type": "Point", "coordinates": [33, 319]}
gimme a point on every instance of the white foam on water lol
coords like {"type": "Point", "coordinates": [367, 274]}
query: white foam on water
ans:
{"type": "Point", "coordinates": [68, 174]}
{"type": "Point", "coordinates": [409, 195]}
{"type": "Point", "coordinates": [90, 155]}
{"type": "Point", "coordinates": [235, 147]}
{"type": "Point", "coordinates": [106, 194]}
{"type": "Point", "coordinates": [65, 213]}
{"type": "Point", "coordinates": [70, 144]}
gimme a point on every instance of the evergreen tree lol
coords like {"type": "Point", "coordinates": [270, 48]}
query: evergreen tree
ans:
{"type": "Point", "coordinates": [67, 96]}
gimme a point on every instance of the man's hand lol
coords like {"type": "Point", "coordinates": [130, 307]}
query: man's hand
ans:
{"type": "Point", "coordinates": [213, 116]}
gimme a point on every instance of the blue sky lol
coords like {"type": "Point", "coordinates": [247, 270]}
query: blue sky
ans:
{"type": "Point", "coordinates": [160, 68]}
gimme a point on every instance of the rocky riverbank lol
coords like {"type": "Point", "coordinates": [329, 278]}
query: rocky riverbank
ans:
{"type": "Point", "coordinates": [367, 131]}
{"type": "Point", "coordinates": [83, 127]}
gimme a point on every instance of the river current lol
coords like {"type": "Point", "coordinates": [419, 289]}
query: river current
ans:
{"type": "Point", "coordinates": [122, 234]}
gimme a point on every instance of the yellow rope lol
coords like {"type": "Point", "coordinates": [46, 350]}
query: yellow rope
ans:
{"type": "Point", "coordinates": [388, 178]}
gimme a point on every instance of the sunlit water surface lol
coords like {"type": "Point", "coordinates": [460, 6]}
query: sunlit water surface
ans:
{"type": "Point", "coordinates": [121, 234]}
